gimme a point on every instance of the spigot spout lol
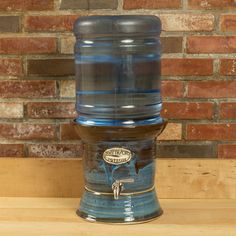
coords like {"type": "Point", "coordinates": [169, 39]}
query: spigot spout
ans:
{"type": "Point", "coordinates": [118, 186]}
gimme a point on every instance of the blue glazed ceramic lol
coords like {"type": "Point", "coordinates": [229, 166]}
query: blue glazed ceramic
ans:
{"type": "Point", "coordinates": [118, 104]}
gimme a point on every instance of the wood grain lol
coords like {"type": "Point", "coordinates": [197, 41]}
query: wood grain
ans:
{"type": "Point", "coordinates": [38, 177]}
{"type": "Point", "coordinates": [56, 216]}
{"type": "Point", "coordinates": [182, 178]}
{"type": "Point", "coordinates": [196, 178]}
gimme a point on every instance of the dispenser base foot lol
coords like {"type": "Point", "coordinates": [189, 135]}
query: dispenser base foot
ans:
{"type": "Point", "coordinates": [130, 209]}
{"type": "Point", "coordinates": [118, 221]}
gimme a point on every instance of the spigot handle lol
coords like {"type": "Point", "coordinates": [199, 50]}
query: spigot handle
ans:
{"type": "Point", "coordinates": [126, 180]}
{"type": "Point", "coordinates": [117, 186]}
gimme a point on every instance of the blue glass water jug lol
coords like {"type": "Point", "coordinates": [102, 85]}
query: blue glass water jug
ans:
{"type": "Point", "coordinates": [118, 103]}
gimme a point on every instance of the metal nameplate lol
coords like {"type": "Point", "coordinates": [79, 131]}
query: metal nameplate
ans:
{"type": "Point", "coordinates": [117, 156]}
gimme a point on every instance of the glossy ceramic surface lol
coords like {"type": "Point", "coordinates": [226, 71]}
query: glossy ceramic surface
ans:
{"type": "Point", "coordinates": [137, 201]}
{"type": "Point", "coordinates": [127, 209]}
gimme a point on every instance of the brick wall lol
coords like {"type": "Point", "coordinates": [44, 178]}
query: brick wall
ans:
{"type": "Point", "coordinates": [37, 87]}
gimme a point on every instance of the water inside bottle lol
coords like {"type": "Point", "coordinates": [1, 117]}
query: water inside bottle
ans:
{"type": "Point", "coordinates": [115, 88]}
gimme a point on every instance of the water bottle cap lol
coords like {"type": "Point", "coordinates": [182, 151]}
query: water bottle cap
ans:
{"type": "Point", "coordinates": [117, 24]}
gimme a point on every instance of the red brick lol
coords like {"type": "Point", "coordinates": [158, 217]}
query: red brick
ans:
{"type": "Point", "coordinates": [211, 44]}
{"type": "Point", "coordinates": [10, 66]}
{"type": "Point", "coordinates": [227, 151]}
{"type": "Point", "coordinates": [186, 66]}
{"type": "Point", "coordinates": [51, 110]}
{"type": "Point", "coordinates": [11, 150]}
{"type": "Point", "coordinates": [212, 89]}
{"type": "Point", "coordinates": [228, 67]}
{"type": "Point", "coordinates": [22, 131]}
{"type": "Point", "coordinates": [68, 132]}
{"type": "Point", "coordinates": [26, 5]}
{"type": "Point", "coordinates": [151, 4]}
{"type": "Point", "coordinates": [228, 23]}
{"type": "Point", "coordinates": [187, 22]}
{"type": "Point", "coordinates": [27, 89]}
{"type": "Point", "coordinates": [211, 131]}
{"type": "Point", "coordinates": [212, 4]}
{"type": "Point", "coordinates": [228, 110]}
{"type": "Point", "coordinates": [24, 45]}
{"type": "Point", "coordinates": [172, 89]}
{"type": "Point", "coordinates": [56, 150]}
{"type": "Point", "coordinates": [188, 110]}
{"type": "Point", "coordinates": [50, 23]}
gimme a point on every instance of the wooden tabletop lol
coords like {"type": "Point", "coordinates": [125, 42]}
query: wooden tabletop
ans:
{"type": "Point", "coordinates": [56, 217]}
